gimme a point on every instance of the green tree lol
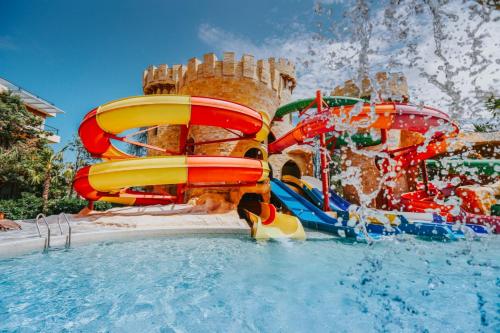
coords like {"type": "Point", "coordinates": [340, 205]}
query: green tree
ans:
{"type": "Point", "coordinates": [492, 105]}
{"type": "Point", "coordinates": [141, 137]}
{"type": "Point", "coordinates": [17, 124]}
{"type": "Point", "coordinates": [53, 169]}
{"type": "Point", "coordinates": [82, 158]}
{"type": "Point", "coordinates": [22, 147]}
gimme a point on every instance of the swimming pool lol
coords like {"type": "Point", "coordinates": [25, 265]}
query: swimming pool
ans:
{"type": "Point", "coordinates": [230, 284]}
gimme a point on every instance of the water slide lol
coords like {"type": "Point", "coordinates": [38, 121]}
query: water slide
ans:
{"type": "Point", "coordinates": [420, 224]}
{"type": "Point", "coordinates": [270, 224]}
{"type": "Point", "coordinates": [478, 202]}
{"type": "Point", "coordinates": [433, 123]}
{"type": "Point", "coordinates": [311, 187]}
{"type": "Point", "coordinates": [384, 116]}
{"type": "Point", "coordinates": [466, 167]}
{"type": "Point", "coordinates": [314, 218]}
{"type": "Point", "coordinates": [112, 179]}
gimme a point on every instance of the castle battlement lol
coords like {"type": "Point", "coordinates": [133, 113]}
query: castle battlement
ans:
{"type": "Point", "coordinates": [388, 86]}
{"type": "Point", "coordinates": [276, 74]}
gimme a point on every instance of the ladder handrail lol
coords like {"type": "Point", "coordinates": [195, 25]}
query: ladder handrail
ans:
{"type": "Point", "coordinates": [59, 224]}
{"type": "Point", "coordinates": [68, 237]}
{"type": "Point", "coordinates": [42, 217]}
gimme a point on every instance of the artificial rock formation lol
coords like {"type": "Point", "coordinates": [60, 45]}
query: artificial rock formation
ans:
{"type": "Point", "coordinates": [384, 87]}
{"type": "Point", "coordinates": [263, 85]}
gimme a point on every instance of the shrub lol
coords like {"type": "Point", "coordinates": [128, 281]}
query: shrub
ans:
{"type": "Point", "coordinates": [29, 205]}
{"type": "Point", "coordinates": [25, 207]}
{"type": "Point", "coordinates": [73, 205]}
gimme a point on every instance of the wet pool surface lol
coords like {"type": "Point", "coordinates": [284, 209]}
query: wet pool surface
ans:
{"type": "Point", "coordinates": [227, 284]}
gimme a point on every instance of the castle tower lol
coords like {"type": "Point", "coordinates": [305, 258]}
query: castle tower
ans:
{"type": "Point", "coordinates": [263, 85]}
{"type": "Point", "coordinates": [388, 87]}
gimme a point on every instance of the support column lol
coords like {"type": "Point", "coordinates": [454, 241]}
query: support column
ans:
{"type": "Point", "coordinates": [182, 149]}
{"type": "Point", "coordinates": [325, 174]}
{"type": "Point", "coordinates": [425, 175]}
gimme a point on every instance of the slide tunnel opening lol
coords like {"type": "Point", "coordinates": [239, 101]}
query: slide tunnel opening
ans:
{"type": "Point", "coordinates": [255, 153]}
{"type": "Point", "coordinates": [291, 168]}
{"type": "Point", "coordinates": [250, 202]}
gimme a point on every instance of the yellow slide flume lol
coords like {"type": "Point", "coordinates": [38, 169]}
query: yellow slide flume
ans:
{"type": "Point", "coordinates": [270, 224]}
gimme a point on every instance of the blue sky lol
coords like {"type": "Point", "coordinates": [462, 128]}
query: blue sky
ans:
{"type": "Point", "coordinates": [79, 54]}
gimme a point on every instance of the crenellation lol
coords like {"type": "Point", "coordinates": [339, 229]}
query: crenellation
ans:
{"type": "Point", "coordinates": [277, 74]}
{"type": "Point", "coordinates": [228, 64]}
{"type": "Point", "coordinates": [249, 66]}
{"type": "Point", "coordinates": [209, 64]}
{"type": "Point", "coordinates": [192, 69]}
{"type": "Point", "coordinates": [148, 74]}
{"type": "Point", "coordinates": [181, 72]}
{"type": "Point", "coordinates": [263, 71]}
{"type": "Point", "coordinates": [161, 72]}
{"type": "Point", "coordinates": [388, 87]}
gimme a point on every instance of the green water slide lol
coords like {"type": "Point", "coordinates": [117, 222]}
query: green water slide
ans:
{"type": "Point", "coordinates": [466, 166]}
{"type": "Point", "coordinates": [301, 104]}
{"type": "Point", "coordinates": [360, 139]}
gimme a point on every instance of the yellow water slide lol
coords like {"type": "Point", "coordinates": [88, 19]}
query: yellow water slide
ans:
{"type": "Point", "coordinates": [270, 224]}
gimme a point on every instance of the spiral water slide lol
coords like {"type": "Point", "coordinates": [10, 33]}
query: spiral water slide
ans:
{"type": "Point", "coordinates": [113, 179]}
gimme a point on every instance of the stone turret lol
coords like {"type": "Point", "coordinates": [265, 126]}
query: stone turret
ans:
{"type": "Point", "coordinates": [388, 87]}
{"type": "Point", "coordinates": [263, 85]}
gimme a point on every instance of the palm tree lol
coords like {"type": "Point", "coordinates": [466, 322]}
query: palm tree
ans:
{"type": "Point", "coordinates": [51, 158]}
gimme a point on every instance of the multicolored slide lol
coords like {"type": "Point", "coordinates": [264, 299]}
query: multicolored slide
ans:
{"type": "Point", "coordinates": [314, 218]}
{"type": "Point", "coordinates": [111, 180]}
{"type": "Point", "coordinates": [420, 224]}
{"type": "Point", "coordinates": [477, 204]}
{"type": "Point", "coordinates": [435, 126]}
{"type": "Point", "coordinates": [384, 116]}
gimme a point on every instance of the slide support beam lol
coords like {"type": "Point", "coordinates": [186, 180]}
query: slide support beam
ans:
{"type": "Point", "coordinates": [323, 158]}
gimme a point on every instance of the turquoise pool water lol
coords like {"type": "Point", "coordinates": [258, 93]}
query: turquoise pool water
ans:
{"type": "Point", "coordinates": [216, 284]}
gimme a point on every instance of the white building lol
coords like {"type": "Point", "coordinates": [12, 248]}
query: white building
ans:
{"type": "Point", "coordinates": [36, 105]}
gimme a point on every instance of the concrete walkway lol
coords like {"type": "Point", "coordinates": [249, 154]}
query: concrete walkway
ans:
{"type": "Point", "coordinates": [122, 224]}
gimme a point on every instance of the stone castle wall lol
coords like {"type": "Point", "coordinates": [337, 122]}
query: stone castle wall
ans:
{"type": "Point", "coordinates": [263, 85]}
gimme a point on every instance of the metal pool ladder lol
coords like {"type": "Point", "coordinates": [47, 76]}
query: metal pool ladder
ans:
{"type": "Point", "coordinates": [41, 217]}
{"type": "Point", "coordinates": [67, 244]}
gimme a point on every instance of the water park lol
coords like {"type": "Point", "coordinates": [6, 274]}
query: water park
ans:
{"type": "Point", "coordinates": [217, 196]}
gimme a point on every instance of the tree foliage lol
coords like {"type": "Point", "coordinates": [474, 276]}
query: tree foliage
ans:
{"type": "Point", "coordinates": [28, 205]}
{"type": "Point", "coordinates": [492, 124]}
{"type": "Point", "coordinates": [23, 149]}
{"type": "Point", "coordinates": [17, 124]}
{"type": "Point", "coordinates": [27, 162]}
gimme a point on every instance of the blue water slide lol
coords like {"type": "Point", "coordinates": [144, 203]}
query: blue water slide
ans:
{"type": "Point", "coordinates": [314, 218]}
{"type": "Point", "coordinates": [419, 228]}
{"type": "Point", "coordinates": [436, 229]}
{"type": "Point", "coordinates": [337, 201]}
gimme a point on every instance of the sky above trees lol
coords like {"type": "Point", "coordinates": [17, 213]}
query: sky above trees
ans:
{"type": "Point", "coordinates": [81, 54]}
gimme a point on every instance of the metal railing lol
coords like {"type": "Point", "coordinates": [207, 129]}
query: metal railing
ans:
{"type": "Point", "coordinates": [67, 244]}
{"type": "Point", "coordinates": [47, 239]}
{"type": "Point", "coordinates": [51, 129]}
{"type": "Point", "coordinates": [41, 217]}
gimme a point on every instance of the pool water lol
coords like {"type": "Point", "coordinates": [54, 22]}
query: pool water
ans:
{"type": "Point", "coordinates": [231, 284]}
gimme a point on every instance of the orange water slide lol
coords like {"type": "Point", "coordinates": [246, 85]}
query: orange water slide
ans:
{"type": "Point", "coordinates": [111, 180]}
